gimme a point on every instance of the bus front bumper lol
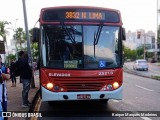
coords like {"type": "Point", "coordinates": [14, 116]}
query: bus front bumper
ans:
{"type": "Point", "coordinates": [89, 95]}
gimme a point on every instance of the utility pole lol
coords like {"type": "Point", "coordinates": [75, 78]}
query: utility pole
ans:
{"type": "Point", "coordinates": [28, 41]}
{"type": "Point", "coordinates": [139, 34]}
{"type": "Point", "coordinates": [144, 46]}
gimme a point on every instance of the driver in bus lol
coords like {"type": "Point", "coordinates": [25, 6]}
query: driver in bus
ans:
{"type": "Point", "coordinates": [64, 50]}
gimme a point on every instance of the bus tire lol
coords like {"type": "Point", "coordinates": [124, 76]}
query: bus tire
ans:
{"type": "Point", "coordinates": [53, 103]}
{"type": "Point", "coordinates": [50, 103]}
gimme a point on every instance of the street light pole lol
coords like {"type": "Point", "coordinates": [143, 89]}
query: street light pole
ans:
{"type": "Point", "coordinates": [28, 41]}
{"type": "Point", "coordinates": [144, 42]}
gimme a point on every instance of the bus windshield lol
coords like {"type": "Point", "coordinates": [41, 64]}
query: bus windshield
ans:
{"type": "Point", "coordinates": [80, 46]}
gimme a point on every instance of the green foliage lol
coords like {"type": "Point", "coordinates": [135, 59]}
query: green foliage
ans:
{"type": "Point", "coordinates": [149, 54]}
{"type": "Point", "coordinates": [34, 48]}
{"type": "Point", "coordinates": [136, 54]}
{"type": "Point", "coordinates": [129, 54]}
{"type": "Point", "coordinates": [3, 31]}
{"type": "Point", "coordinates": [155, 77]}
{"type": "Point", "coordinates": [20, 37]}
{"type": "Point", "coordinates": [9, 58]}
{"type": "Point", "coordinates": [140, 52]}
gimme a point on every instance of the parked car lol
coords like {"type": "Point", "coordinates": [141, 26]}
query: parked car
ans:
{"type": "Point", "coordinates": [140, 64]}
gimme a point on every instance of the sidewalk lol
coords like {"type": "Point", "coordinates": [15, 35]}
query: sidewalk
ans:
{"type": "Point", "coordinates": [15, 97]}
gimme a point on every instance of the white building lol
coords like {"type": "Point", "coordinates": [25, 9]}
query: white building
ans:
{"type": "Point", "coordinates": [139, 38]}
{"type": "Point", "coordinates": [10, 48]}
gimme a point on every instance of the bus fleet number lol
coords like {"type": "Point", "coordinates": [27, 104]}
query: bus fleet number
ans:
{"type": "Point", "coordinates": [106, 73]}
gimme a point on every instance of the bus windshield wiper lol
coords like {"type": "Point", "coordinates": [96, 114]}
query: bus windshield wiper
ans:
{"type": "Point", "coordinates": [97, 35]}
{"type": "Point", "coordinates": [68, 33]}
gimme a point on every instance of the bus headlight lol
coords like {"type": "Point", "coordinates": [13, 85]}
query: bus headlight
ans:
{"type": "Point", "coordinates": [115, 85]}
{"type": "Point", "coordinates": [50, 86]}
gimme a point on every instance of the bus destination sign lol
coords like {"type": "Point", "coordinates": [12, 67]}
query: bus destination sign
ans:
{"type": "Point", "coordinates": [85, 15]}
{"type": "Point", "coordinates": [91, 15]}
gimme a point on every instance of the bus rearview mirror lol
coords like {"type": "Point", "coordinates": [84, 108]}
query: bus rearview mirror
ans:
{"type": "Point", "coordinates": [123, 34]}
{"type": "Point", "coordinates": [36, 33]}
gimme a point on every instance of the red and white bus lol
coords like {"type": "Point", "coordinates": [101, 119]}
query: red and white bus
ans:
{"type": "Point", "coordinates": [80, 53]}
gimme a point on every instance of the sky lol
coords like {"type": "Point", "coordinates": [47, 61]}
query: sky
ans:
{"type": "Point", "coordinates": [136, 14]}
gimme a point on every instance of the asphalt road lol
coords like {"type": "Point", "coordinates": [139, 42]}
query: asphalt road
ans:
{"type": "Point", "coordinates": [140, 94]}
{"type": "Point", "coordinates": [153, 70]}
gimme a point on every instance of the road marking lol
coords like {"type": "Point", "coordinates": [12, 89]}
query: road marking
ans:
{"type": "Point", "coordinates": [144, 88]}
{"type": "Point", "coordinates": [146, 118]}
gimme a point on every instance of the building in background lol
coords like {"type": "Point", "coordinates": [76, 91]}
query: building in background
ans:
{"type": "Point", "coordinates": [140, 38]}
{"type": "Point", "coordinates": [10, 48]}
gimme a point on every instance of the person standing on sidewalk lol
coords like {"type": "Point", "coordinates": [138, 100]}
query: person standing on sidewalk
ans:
{"type": "Point", "coordinates": [12, 73]}
{"type": "Point", "coordinates": [26, 76]}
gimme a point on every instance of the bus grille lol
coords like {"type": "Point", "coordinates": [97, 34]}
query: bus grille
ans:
{"type": "Point", "coordinates": [83, 84]}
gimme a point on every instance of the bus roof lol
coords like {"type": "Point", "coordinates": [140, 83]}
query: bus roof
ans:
{"type": "Point", "coordinates": [87, 7]}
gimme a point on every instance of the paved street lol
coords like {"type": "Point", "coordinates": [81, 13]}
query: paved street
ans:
{"type": "Point", "coordinates": [139, 94]}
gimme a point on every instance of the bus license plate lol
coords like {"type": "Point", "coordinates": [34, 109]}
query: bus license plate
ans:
{"type": "Point", "coordinates": [83, 96]}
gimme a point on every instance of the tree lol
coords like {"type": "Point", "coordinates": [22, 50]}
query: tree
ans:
{"type": "Point", "coordinates": [34, 48]}
{"type": "Point", "coordinates": [20, 37]}
{"type": "Point", "coordinates": [129, 54]}
{"type": "Point", "coordinates": [140, 52]}
{"type": "Point", "coordinates": [3, 31]}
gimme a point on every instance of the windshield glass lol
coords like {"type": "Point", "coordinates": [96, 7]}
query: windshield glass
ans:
{"type": "Point", "coordinates": [80, 46]}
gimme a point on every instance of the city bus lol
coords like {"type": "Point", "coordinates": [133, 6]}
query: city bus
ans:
{"type": "Point", "coordinates": [80, 53]}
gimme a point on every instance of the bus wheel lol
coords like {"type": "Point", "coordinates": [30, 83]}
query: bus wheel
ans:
{"type": "Point", "coordinates": [50, 103]}
{"type": "Point", "coordinates": [53, 103]}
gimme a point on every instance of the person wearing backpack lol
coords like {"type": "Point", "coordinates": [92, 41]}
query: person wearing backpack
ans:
{"type": "Point", "coordinates": [26, 76]}
{"type": "Point", "coordinates": [12, 73]}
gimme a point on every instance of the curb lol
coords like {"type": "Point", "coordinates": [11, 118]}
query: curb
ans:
{"type": "Point", "coordinates": [32, 107]}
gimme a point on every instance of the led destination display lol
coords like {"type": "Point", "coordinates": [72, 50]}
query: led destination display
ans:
{"type": "Point", "coordinates": [51, 15]}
